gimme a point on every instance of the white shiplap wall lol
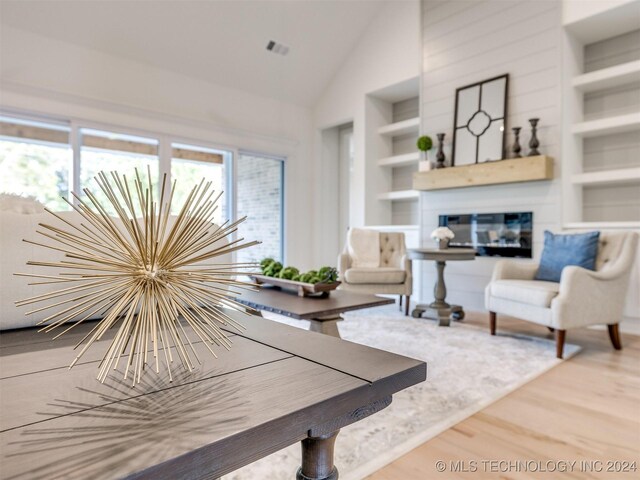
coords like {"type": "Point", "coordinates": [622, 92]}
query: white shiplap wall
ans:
{"type": "Point", "coordinates": [468, 41]}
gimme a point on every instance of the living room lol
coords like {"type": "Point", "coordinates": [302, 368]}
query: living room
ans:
{"type": "Point", "coordinates": [487, 274]}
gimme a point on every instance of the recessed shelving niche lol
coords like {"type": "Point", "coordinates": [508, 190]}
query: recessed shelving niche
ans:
{"type": "Point", "coordinates": [601, 147]}
{"type": "Point", "coordinates": [392, 133]}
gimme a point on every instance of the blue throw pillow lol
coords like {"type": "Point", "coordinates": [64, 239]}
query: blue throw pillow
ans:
{"type": "Point", "coordinates": [563, 250]}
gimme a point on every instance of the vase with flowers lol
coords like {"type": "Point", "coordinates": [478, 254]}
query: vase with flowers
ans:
{"type": "Point", "coordinates": [442, 236]}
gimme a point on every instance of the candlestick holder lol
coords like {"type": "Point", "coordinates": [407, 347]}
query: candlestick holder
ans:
{"type": "Point", "coordinates": [516, 149]}
{"type": "Point", "coordinates": [534, 143]}
{"type": "Point", "coordinates": [440, 157]}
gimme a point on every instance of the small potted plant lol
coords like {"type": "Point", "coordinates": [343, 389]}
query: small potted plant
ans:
{"type": "Point", "coordinates": [424, 144]}
{"type": "Point", "coordinates": [442, 236]}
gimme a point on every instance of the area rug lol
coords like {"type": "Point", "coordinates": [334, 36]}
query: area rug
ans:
{"type": "Point", "coordinates": [467, 370]}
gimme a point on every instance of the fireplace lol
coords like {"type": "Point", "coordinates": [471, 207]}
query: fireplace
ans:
{"type": "Point", "coordinates": [492, 234]}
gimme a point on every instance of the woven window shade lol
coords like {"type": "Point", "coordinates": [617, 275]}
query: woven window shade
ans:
{"type": "Point", "coordinates": [198, 156]}
{"type": "Point", "coordinates": [113, 144]}
{"type": "Point", "coordinates": [32, 132]}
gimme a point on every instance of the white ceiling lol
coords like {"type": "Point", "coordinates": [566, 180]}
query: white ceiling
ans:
{"type": "Point", "coordinates": [218, 41]}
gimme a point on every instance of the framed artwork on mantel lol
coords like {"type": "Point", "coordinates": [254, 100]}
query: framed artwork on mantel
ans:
{"type": "Point", "coordinates": [479, 122]}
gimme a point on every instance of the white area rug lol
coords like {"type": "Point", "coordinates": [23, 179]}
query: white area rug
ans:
{"type": "Point", "coordinates": [467, 370]}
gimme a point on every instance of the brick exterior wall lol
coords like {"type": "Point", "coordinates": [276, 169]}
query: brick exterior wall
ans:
{"type": "Point", "coordinates": [259, 196]}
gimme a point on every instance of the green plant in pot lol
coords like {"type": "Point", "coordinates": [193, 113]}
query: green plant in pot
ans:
{"type": "Point", "coordinates": [424, 143]}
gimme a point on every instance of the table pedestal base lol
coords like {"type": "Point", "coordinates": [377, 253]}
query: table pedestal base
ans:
{"type": "Point", "coordinates": [326, 325]}
{"type": "Point", "coordinates": [317, 458]}
{"type": "Point", "coordinates": [443, 313]}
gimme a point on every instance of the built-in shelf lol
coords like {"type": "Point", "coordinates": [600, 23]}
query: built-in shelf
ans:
{"type": "Point", "coordinates": [606, 126]}
{"type": "Point", "coordinates": [602, 225]}
{"type": "Point", "coordinates": [404, 127]}
{"type": "Point", "coordinates": [608, 77]}
{"type": "Point", "coordinates": [400, 160]}
{"type": "Point", "coordinates": [399, 195]}
{"type": "Point", "coordinates": [607, 177]}
{"type": "Point", "coordinates": [527, 169]}
{"type": "Point", "coordinates": [398, 228]}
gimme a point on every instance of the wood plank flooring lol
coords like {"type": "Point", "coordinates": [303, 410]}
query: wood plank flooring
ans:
{"type": "Point", "coordinates": [586, 410]}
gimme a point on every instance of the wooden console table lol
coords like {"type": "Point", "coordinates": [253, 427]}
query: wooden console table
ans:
{"type": "Point", "coordinates": [278, 385]}
{"type": "Point", "coordinates": [439, 309]}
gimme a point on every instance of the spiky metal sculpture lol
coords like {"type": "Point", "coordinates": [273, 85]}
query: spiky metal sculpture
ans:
{"type": "Point", "coordinates": [144, 272]}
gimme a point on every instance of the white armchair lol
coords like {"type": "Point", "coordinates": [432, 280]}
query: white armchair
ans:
{"type": "Point", "coordinates": [393, 276]}
{"type": "Point", "coordinates": [582, 298]}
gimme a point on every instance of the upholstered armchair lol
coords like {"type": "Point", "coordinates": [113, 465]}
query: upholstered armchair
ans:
{"type": "Point", "coordinates": [393, 276]}
{"type": "Point", "coordinates": [582, 298]}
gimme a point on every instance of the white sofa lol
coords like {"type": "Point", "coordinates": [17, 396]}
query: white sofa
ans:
{"type": "Point", "coordinates": [582, 298]}
{"type": "Point", "coordinates": [14, 255]}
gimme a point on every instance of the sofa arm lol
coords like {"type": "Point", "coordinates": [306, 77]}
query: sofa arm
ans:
{"type": "Point", "coordinates": [344, 263]}
{"type": "Point", "coordinates": [587, 297]}
{"type": "Point", "coordinates": [511, 270]}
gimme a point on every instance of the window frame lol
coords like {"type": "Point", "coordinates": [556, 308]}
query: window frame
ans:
{"type": "Point", "coordinates": [282, 160]}
{"type": "Point", "coordinates": [165, 151]}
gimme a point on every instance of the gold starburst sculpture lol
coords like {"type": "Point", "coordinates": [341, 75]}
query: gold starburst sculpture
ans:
{"type": "Point", "coordinates": [144, 272]}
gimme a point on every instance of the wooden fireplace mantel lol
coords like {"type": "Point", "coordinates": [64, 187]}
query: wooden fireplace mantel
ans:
{"type": "Point", "coordinates": [526, 169]}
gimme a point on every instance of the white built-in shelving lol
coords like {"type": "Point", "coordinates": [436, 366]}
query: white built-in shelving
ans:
{"type": "Point", "coordinates": [393, 126]}
{"type": "Point", "coordinates": [608, 177]}
{"type": "Point", "coordinates": [404, 127]}
{"type": "Point", "coordinates": [399, 195]}
{"type": "Point", "coordinates": [608, 125]}
{"type": "Point", "coordinates": [601, 70]}
{"type": "Point", "coordinates": [400, 160]}
{"type": "Point", "coordinates": [610, 77]}
{"type": "Point", "coordinates": [602, 225]}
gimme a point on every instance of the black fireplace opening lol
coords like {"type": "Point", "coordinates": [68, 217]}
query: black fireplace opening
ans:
{"type": "Point", "coordinates": [492, 234]}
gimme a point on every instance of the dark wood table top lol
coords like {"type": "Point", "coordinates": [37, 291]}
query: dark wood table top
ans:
{"type": "Point", "coordinates": [275, 386]}
{"type": "Point", "coordinates": [288, 303]}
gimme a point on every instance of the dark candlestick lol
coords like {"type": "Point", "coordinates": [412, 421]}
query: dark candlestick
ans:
{"type": "Point", "coordinates": [534, 143]}
{"type": "Point", "coordinates": [440, 154]}
{"type": "Point", "coordinates": [516, 142]}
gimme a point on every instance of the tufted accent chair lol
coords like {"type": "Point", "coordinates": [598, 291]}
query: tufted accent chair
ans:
{"type": "Point", "coordinates": [393, 276]}
{"type": "Point", "coordinates": [582, 298]}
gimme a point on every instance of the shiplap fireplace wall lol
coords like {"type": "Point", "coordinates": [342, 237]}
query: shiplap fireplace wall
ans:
{"type": "Point", "coordinates": [468, 41]}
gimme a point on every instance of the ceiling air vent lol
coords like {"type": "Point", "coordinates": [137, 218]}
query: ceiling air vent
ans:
{"type": "Point", "coordinates": [276, 47]}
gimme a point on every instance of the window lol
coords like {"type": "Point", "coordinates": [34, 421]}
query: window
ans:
{"type": "Point", "coordinates": [259, 197]}
{"type": "Point", "coordinates": [189, 165]}
{"type": "Point", "coordinates": [35, 160]}
{"type": "Point", "coordinates": [40, 158]}
{"type": "Point", "coordinates": [107, 152]}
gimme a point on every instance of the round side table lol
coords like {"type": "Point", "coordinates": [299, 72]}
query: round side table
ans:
{"type": "Point", "coordinates": [439, 309]}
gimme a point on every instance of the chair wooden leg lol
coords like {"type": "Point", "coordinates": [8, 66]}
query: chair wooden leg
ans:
{"type": "Point", "coordinates": [407, 299]}
{"type": "Point", "coordinates": [560, 334]}
{"type": "Point", "coordinates": [400, 303]}
{"type": "Point", "coordinates": [492, 322]}
{"type": "Point", "coordinates": [614, 335]}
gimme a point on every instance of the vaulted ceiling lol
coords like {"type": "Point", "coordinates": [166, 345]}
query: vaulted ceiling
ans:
{"type": "Point", "coordinates": [223, 42]}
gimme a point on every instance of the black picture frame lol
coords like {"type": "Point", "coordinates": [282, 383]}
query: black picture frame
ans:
{"type": "Point", "coordinates": [503, 117]}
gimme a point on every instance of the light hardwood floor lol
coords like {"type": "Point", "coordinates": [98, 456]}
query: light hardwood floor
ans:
{"type": "Point", "coordinates": [586, 409]}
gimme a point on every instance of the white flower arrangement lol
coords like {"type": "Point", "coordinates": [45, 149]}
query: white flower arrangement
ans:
{"type": "Point", "coordinates": [442, 233]}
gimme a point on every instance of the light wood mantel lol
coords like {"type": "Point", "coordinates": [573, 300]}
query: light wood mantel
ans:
{"type": "Point", "coordinates": [527, 169]}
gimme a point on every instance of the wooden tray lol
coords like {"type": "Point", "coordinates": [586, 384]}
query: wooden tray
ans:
{"type": "Point", "coordinates": [303, 289]}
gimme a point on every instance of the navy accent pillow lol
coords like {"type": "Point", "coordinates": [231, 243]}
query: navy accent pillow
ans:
{"type": "Point", "coordinates": [563, 250]}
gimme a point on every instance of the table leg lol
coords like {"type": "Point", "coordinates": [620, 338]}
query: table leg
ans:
{"type": "Point", "coordinates": [439, 309]}
{"type": "Point", "coordinates": [317, 458]}
{"type": "Point", "coordinates": [328, 326]}
{"type": "Point", "coordinates": [440, 289]}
